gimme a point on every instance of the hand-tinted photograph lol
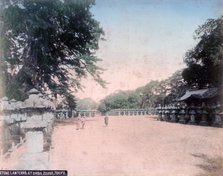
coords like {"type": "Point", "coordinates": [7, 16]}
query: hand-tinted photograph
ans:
{"type": "Point", "coordinates": [111, 87]}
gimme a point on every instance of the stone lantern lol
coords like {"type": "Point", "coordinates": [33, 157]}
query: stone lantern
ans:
{"type": "Point", "coordinates": [6, 109]}
{"type": "Point", "coordinates": [173, 114]}
{"type": "Point", "coordinates": [182, 113]}
{"type": "Point", "coordinates": [167, 113]}
{"type": "Point", "coordinates": [204, 113]}
{"type": "Point", "coordinates": [13, 111]}
{"type": "Point", "coordinates": [36, 111]}
{"type": "Point", "coordinates": [159, 112]}
{"type": "Point", "coordinates": [163, 113]}
{"type": "Point", "coordinates": [217, 115]}
{"type": "Point", "coordinates": [4, 103]}
{"type": "Point", "coordinates": [192, 114]}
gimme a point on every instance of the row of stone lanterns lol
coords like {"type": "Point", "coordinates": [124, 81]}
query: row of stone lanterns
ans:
{"type": "Point", "coordinates": [131, 112]}
{"type": "Point", "coordinates": [203, 115]}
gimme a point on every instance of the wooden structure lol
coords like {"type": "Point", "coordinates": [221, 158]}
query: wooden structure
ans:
{"type": "Point", "coordinates": [209, 96]}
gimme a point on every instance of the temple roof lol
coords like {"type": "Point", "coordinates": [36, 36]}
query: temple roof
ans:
{"type": "Point", "coordinates": [200, 94]}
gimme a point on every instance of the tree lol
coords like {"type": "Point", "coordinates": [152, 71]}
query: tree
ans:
{"type": "Point", "coordinates": [176, 87]}
{"type": "Point", "coordinates": [49, 45]}
{"type": "Point", "coordinates": [118, 100]}
{"type": "Point", "coordinates": [149, 94]}
{"type": "Point", "coordinates": [86, 104]}
{"type": "Point", "coordinates": [162, 92]}
{"type": "Point", "coordinates": [205, 60]}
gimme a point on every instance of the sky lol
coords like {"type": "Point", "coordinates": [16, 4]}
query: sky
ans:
{"type": "Point", "coordinates": [145, 40]}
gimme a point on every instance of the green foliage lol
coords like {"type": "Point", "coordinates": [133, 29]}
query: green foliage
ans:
{"type": "Point", "coordinates": [204, 61]}
{"type": "Point", "coordinates": [119, 100]}
{"type": "Point", "coordinates": [49, 45]}
{"type": "Point", "coordinates": [176, 87]}
{"type": "Point", "coordinates": [70, 101]}
{"type": "Point", "coordinates": [150, 95]}
{"type": "Point", "coordinates": [86, 104]}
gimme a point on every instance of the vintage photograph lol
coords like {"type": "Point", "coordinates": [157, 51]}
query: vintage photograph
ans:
{"type": "Point", "coordinates": [111, 87]}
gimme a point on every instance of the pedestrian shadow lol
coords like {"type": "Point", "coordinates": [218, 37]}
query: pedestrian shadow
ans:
{"type": "Point", "coordinates": [210, 166]}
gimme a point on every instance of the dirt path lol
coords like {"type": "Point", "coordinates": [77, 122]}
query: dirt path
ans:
{"type": "Point", "coordinates": [134, 146]}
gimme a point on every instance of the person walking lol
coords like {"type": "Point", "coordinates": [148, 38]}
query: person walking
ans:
{"type": "Point", "coordinates": [82, 123]}
{"type": "Point", "coordinates": [78, 123]}
{"type": "Point", "coordinates": [106, 119]}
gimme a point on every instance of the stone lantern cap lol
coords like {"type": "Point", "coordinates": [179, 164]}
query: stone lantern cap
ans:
{"type": "Point", "coordinates": [37, 100]}
{"type": "Point", "coordinates": [13, 100]}
{"type": "Point", "coordinates": [33, 91]}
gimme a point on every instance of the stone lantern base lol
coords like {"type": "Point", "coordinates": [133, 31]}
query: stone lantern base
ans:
{"type": "Point", "coordinates": [34, 141]}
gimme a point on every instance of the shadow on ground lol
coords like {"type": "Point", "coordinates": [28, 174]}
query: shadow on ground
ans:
{"type": "Point", "coordinates": [210, 166]}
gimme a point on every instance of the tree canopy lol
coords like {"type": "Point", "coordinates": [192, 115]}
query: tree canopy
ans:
{"type": "Point", "coordinates": [49, 45]}
{"type": "Point", "coordinates": [118, 100]}
{"type": "Point", "coordinates": [151, 95]}
{"type": "Point", "coordinates": [205, 60]}
{"type": "Point", "coordinates": [86, 104]}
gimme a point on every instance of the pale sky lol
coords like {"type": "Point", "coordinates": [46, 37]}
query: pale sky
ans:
{"type": "Point", "coordinates": [145, 40]}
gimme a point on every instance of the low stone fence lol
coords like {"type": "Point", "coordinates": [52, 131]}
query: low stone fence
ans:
{"type": "Point", "coordinates": [203, 115]}
{"type": "Point", "coordinates": [132, 112]}
{"type": "Point", "coordinates": [65, 114]}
